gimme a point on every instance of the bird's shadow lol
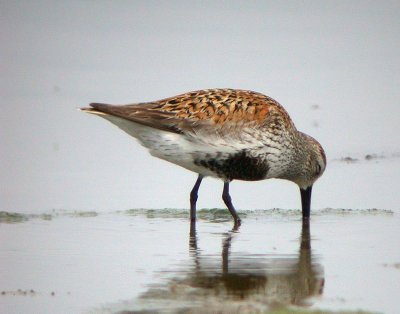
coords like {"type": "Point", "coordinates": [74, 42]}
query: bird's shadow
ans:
{"type": "Point", "coordinates": [233, 279]}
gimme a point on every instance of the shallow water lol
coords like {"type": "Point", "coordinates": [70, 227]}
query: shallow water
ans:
{"type": "Point", "coordinates": [64, 55]}
{"type": "Point", "coordinates": [148, 260]}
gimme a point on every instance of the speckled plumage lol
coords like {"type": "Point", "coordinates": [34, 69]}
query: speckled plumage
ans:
{"type": "Point", "coordinates": [225, 133]}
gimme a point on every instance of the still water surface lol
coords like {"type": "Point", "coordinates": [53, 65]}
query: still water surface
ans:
{"type": "Point", "coordinates": [151, 260]}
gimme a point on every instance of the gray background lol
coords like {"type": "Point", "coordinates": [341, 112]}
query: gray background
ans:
{"type": "Point", "coordinates": [334, 65]}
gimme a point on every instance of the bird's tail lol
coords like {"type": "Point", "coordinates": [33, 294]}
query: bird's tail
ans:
{"type": "Point", "coordinates": [96, 108]}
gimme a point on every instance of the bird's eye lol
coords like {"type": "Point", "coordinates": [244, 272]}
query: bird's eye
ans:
{"type": "Point", "coordinates": [318, 169]}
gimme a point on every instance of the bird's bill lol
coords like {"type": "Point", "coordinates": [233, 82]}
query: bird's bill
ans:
{"type": "Point", "coordinates": [306, 201]}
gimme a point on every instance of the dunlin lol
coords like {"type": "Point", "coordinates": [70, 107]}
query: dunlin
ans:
{"type": "Point", "coordinates": [223, 133]}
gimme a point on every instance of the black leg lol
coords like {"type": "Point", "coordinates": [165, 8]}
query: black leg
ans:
{"type": "Point", "coordinates": [228, 202]}
{"type": "Point", "coordinates": [193, 198]}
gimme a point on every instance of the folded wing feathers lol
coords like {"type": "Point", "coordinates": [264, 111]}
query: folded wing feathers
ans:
{"type": "Point", "coordinates": [146, 114]}
{"type": "Point", "coordinates": [142, 114]}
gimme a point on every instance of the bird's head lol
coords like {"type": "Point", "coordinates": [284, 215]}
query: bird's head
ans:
{"type": "Point", "coordinates": [314, 167]}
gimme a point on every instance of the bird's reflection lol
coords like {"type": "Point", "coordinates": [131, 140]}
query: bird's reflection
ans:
{"type": "Point", "coordinates": [278, 279]}
{"type": "Point", "coordinates": [240, 279]}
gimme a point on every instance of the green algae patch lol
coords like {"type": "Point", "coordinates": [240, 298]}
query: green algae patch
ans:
{"type": "Point", "coordinates": [349, 211]}
{"type": "Point", "coordinates": [12, 217]}
{"type": "Point", "coordinates": [212, 214]}
{"type": "Point", "coordinates": [7, 217]}
{"type": "Point", "coordinates": [223, 214]}
{"type": "Point", "coordinates": [217, 214]}
{"type": "Point", "coordinates": [82, 214]}
{"type": "Point", "coordinates": [157, 213]}
{"type": "Point", "coordinates": [281, 212]}
{"type": "Point", "coordinates": [204, 214]}
{"type": "Point", "coordinates": [294, 311]}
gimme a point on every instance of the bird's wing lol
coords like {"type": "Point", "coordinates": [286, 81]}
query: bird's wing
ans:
{"type": "Point", "coordinates": [140, 114]}
{"type": "Point", "coordinates": [205, 111]}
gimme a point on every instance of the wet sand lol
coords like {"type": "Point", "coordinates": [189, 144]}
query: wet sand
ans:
{"type": "Point", "coordinates": [141, 261]}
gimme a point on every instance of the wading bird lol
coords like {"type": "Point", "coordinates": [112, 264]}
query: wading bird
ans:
{"type": "Point", "coordinates": [223, 133]}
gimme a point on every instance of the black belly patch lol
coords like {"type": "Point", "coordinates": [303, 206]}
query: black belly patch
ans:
{"type": "Point", "coordinates": [239, 166]}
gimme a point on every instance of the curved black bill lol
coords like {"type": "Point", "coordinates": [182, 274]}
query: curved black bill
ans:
{"type": "Point", "coordinates": [306, 201]}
